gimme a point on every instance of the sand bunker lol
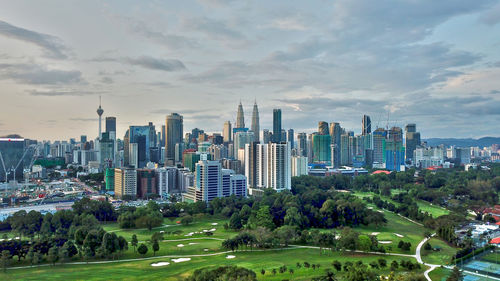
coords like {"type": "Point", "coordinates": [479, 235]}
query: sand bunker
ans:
{"type": "Point", "coordinates": [375, 233]}
{"type": "Point", "coordinates": [384, 242]}
{"type": "Point", "coordinates": [181, 260]}
{"type": "Point", "coordinates": [212, 230]}
{"type": "Point", "coordinates": [214, 223]}
{"type": "Point", "coordinates": [380, 211]}
{"type": "Point", "coordinates": [398, 235]}
{"type": "Point", "coordinates": [193, 243]}
{"type": "Point", "coordinates": [163, 263]}
{"type": "Point", "coordinates": [230, 257]}
{"type": "Point", "coordinates": [180, 245]}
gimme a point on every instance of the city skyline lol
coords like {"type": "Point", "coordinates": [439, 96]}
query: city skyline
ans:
{"type": "Point", "coordinates": [147, 61]}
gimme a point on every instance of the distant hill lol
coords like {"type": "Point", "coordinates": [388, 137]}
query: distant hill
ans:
{"type": "Point", "coordinates": [482, 142]}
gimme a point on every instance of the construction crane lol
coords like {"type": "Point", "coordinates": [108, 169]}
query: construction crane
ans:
{"type": "Point", "coordinates": [3, 165]}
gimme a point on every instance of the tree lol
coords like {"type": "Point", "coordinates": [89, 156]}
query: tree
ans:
{"type": "Point", "coordinates": [37, 257]}
{"type": "Point", "coordinates": [53, 255]}
{"type": "Point", "coordinates": [6, 257]}
{"type": "Point", "coordinates": [63, 254]}
{"type": "Point", "coordinates": [31, 256]}
{"type": "Point", "coordinates": [456, 275]}
{"type": "Point", "coordinates": [328, 276]}
{"type": "Point", "coordinates": [156, 247]}
{"type": "Point", "coordinates": [382, 263]}
{"type": "Point", "coordinates": [134, 241]}
{"type": "Point", "coordinates": [286, 234]}
{"type": "Point", "coordinates": [337, 265]}
{"type": "Point", "coordinates": [264, 219]}
{"type": "Point", "coordinates": [374, 265]}
{"type": "Point", "coordinates": [149, 221]}
{"type": "Point", "coordinates": [143, 249]}
{"type": "Point", "coordinates": [262, 271]}
{"type": "Point", "coordinates": [235, 221]}
{"type": "Point", "coordinates": [186, 220]}
{"type": "Point", "coordinates": [427, 246]}
{"type": "Point", "coordinates": [394, 265]}
{"type": "Point", "coordinates": [364, 243]}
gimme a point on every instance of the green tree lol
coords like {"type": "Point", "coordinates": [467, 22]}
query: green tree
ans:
{"type": "Point", "coordinates": [364, 243]}
{"type": "Point", "coordinates": [186, 220]}
{"type": "Point", "coordinates": [143, 249]}
{"type": "Point", "coordinates": [264, 219]}
{"type": "Point", "coordinates": [156, 247]}
{"type": "Point", "coordinates": [456, 275]}
{"type": "Point", "coordinates": [337, 265]}
{"type": "Point", "coordinates": [6, 258]}
{"type": "Point", "coordinates": [31, 256]}
{"type": "Point", "coordinates": [53, 255]}
{"type": "Point", "coordinates": [235, 221]}
{"type": "Point", "coordinates": [134, 241]}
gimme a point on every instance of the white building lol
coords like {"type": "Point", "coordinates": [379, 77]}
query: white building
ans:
{"type": "Point", "coordinates": [299, 166]}
{"type": "Point", "coordinates": [425, 157]}
{"type": "Point", "coordinates": [273, 166]}
{"type": "Point", "coordinates": [125, 182]}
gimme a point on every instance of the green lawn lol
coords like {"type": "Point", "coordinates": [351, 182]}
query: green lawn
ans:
{"type": "Point", "coordinates": [438, 257]}
{"type": "Point", "coordinates": [439, 274]}
{"type": "Point", "coordinates": [177, 271]}
{"type": "Point", "coordinates": [492, 257]}
{"type": "Point", "coordinates": [410, 231]}
{"type": "Point", "coordinates": [425, 206]}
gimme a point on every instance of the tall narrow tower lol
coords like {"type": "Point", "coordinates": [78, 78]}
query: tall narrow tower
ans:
{"type": "Point", "coordinates": [240, 117]}
{"type": "Point", "coordinates": [100, 111]}
{"type": "Point", "coordinates": [255, 122]}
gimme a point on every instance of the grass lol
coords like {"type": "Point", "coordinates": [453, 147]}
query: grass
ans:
{"type": "Point", "coordinates": [177, 271]}
{"type": "Point", "coordinates": [439, 274]}
{"type": "Point", "coordinates": [438, 257]}
{"type": "Point", "coordinates": [491, 257]}
{"type": "Point", "coordinates": [424, 206]}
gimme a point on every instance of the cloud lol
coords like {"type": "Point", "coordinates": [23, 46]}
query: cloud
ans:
{"type": "Point", "coordinates": [106, 80]}
{"type": "Point", "coordinates": [171, 41]}
{"type": "Point", "coordinates": [51, 45]}
{"type": "Point", "coordinates": [80, 119]}
{"type": "Point", "coordinates": [216, 30]}
{"type": "Point", "coordinates": [156, 63]}
{"type": "Point", "coordinates": [52, 93]}
{"type": "Point", "coordinates": [491, 16]}
{"type": "Point", "coordinates": [147, 62]}
{"type": "Point", "coordinates": [288, 23]}
{"type": "Point", "coordinates": [39, 74]}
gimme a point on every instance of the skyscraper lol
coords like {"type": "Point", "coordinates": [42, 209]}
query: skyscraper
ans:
{"type": "Point", "coordinates": [100, 111]}
{"type": "Point", "coordinates": [290, 138]}
{"type": "Point", "coordinates": [395, 151]}
{"type": "Point", "coordinates": [321, 148]}
{"type": "Point", "coordinates": [335, 133]}
{"type": "Point", "coordinates": [227, 132]}
{"type": "Point", "coordinates": [302, 144]}
{"type": "Point", "coordinates": [173, 136]}
{"type": "Point", "coordinates": [412, 140]}
{"type": "Point", "coordinates": [367, 125]}
{"type": "Point", "coordinates": [255, 122]}
{"type": "Point", "coordinates": [273, 167]}
{"type": "Point", "coordinates": [277, 125]}
{"type": "Point", "coordinates": [322, 128]}
{"type": "Point", "coordinates": [110, 124]}
{"type": "Point", "coordinates": [240, 117]}
{"type": "Point", "coordinates": [379, 136]}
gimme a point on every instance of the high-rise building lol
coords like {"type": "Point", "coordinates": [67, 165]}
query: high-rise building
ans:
{"type": "Point", "coordinates": [83, 139]}
{"type": "Point", "coordinates": [267, 136]}
{"type": "Point", "coordinates": [291, 138]}
{"type": "Point", "coordinates": [379, 137]}
{"type": "Point", "coordinates": [138, 146]}
{"type": "Point", "coordinates": [107, 150]}
{"type": "Point", "coordinates": [412, 141]}
{"type": "Point", "coordinates": [110, 124]}
{"type": "Point", "coordinates": [273, 167]}
{"type": "Point", "coordinates": [146, 183]}
{"type": "Point", "coordinates": [110, 179]}
{"type": "Point", "coordinates": [299, 166]}
{"type": "Point", "coordinates": [208, 180]}
{"type": "Point", "coordinates": [394, 150]}
{"type": "Point", "coordinates": [302, 144]}
{"type": "Point", "coordinates": [335, 133]}
{"type": "Point", "coordinates": [277, 125]}
{"type": "Point", "coordinates": [255, 122]}
{"type": "Point", "coordinates": [126, 182]}
{"type": "Point", "coordinates": [366, 125]}
{"type": "Point", "coordinates": [100, 111]}
{"type": "Point", "coordinates": [162, 142]}
{"type": "Point", "coordinates": [321, 148]}
{"type": "Point", "coordinates": [322, 128]}
{"type": "Point", "coordinates": [227, 132]}
{"type": "Point", "coordinates": [240, 117]}
{"type": "Point", "coordinates": [240, 140]}
{"type": "Point", "coordinates": [251, 163]}
{"type": "Point", "coordinates": [345, 150]}
{"type": "Point", "coordinates": [173, 136]}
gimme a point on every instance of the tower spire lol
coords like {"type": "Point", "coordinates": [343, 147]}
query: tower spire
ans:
{"type": "Point", "coordinates": [100, 111]}
{"type": "Point", "coordinates": [256, 122]}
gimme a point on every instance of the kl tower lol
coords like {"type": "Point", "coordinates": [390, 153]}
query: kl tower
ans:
{"type": "Point", "coordinates": [100, 111]}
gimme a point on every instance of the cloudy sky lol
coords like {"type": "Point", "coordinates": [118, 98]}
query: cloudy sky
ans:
{"type": "Point", "coordinates": [434, 63]}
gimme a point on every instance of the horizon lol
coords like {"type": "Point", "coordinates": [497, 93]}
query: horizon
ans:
{"type": "Point", "coordinates": [432, 65]}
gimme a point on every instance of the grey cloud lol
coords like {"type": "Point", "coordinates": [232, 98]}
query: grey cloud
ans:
{"type": "Point", "coordinates": [55, 93]}
{"type": "Point", "coordinates": [38, 74]}
{"type": "Point", "coordinates": [491, 16]}
{"type": "Point", "coordinates": [171, 41]}
{"type": "Point", "coordinates": [51, 45]}
{"type": "Point", "coordinates": [147, 62]}
{"type": "Point", "coordinates": [81, 119]}
{"type": "Point", "coordinates": [106, 80]}
{"type": "Point", "coordinates": [216, 30]}
{"type": "Point", "coordinates": [157, 64]}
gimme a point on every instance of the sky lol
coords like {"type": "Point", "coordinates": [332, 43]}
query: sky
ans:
{"type": "Point", "coordinates": [433, 63]}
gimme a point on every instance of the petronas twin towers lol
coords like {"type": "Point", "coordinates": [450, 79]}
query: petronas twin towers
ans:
{"type": "Point", "coordinates": [240, 120]}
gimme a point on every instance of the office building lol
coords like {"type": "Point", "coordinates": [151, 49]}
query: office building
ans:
{"type": "Point", "coordinates": [322, 128]}
{"type": "Point", "coordinates": [227, 132]}
{"type": "Point", "coordinates": [335, 134]}
{"type": "Point", "coordinates": [366, 125]}
{"type": "Point", "coordinates": [412, 141]}
{"type": "Point", "coordinates": [321, 145]}
{"type": "Point", "coordinates": [251, 163]}
{"type": "Point", "coordinates": [110, 179]}
{"type": "Point", "coordinates": [273, 167]}
{"type": "Point", "coordinates": [240, 117]}
{"type": "Point", "coordinates": [146, 184]}
{"type": "Point", "coordinates": [302, 144]}
{"type": "Point", "coordinates": [255, 122]}
{"type": "Point", "coordinates": [277, 125]}
{"type": "Point", "coordinates": [291, 138]}
{"type": "Point", "coordinates": [394, 150]}
{"type": "Point", "coordinates": [126, 183]}
{"type": "Point", "coordinates": [110, 124]}
{"type": "Point", "coordinates": [267, 136]}
{"type": "Point", "coordinates": [173, 136]}
{"type": "Point", "coordinates": [379, 137]}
